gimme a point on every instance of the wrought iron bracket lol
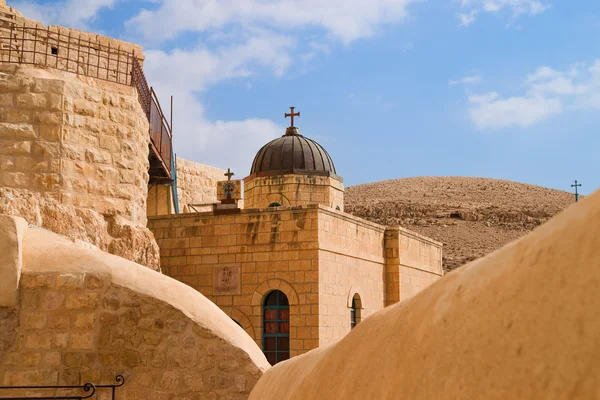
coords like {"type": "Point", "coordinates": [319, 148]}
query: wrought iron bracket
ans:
{"type": "Point", "coordinates": [88, 388]}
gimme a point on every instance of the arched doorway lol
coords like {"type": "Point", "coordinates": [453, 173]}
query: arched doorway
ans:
{"type": "Point", "coordinates": [276, 327]}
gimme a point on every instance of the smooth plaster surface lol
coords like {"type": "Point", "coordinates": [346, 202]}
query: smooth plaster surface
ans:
{"type": "Point", "coordinates": [521, 323]}
{"type": "Point", "coordinates": [12, 230]}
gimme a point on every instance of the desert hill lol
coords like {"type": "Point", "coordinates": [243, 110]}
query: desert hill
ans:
{"type": "Point", "coordinates": [471, 216]}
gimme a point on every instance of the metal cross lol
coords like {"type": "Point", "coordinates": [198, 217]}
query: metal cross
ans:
{"type": "Point", "coordinates": [576, 194]}
{"type": "Point", "coordinates": [229, 174]}
{"type": "Point", "coordinates": [292, 115]}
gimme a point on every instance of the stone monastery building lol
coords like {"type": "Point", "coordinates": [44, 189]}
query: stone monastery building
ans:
{"type": "Point", "coordinates": [291, 267]}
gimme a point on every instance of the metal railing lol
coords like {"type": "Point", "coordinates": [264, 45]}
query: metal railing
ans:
{"type": "Point", "coordinates": [161, 136]}
{"type": "Point", "coordinates": [61, 392]}
{"type": "Point", "coordinates": [51, 47]}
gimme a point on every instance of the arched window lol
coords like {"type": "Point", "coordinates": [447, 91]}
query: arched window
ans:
{"type": "Point", "coordinates": [275, 204]}
{"type": "Point", "coordinates": [355, 311]}
{"type": "Point", "coordinates": [337, 208]}
{"type": "Point", "coordinates": [276, 327]}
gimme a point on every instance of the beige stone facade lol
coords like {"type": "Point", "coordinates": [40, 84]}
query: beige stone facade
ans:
{"type": "Point", "coordinates": [86, 316]}
{"type": "Point", "coordinates": [293, 190]}
{"type": "Point", "coordinates": [81, 143]}
{"type": "Point", "coordinates": [196, 184]}
{"type": "Point", "coordinates": [318, 257]}
{"type": "Point", "coordinates": [196, 189]}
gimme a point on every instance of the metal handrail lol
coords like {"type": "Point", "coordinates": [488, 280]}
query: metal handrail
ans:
{"type": "Point", "coordinates": [86, 387]}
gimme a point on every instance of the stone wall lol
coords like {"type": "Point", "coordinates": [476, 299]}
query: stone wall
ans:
{"type": "Point", "coordinates": [265, 249]}
{"type": "Point", "coordinates": [86, 316]}
{"type": "Point", "coordinates": [351, 261]}
{"type": "Point", "coordinates": [293, 191]}
{"type": "Point", "coordinates": [420, 260]}
{"type": "Point", "coordinates": [196, 183]}
{"type": "Point", "coordinates": [74, 158]}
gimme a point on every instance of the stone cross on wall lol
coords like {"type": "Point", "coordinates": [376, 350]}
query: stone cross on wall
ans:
{"type": "Point", "coordinates": [229, 174]}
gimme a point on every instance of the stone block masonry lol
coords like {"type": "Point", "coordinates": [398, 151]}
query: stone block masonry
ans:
{"type": "Point", "coordinates": [196, 183]}
{"type": "Point", "coordinates": [318, 257]}
{"type": "Point", "coordinates": [293, 190]}
{"type": "Point", "coordinates": [90, 319]}
{"type": "Point", "coordinates": [76, 150]}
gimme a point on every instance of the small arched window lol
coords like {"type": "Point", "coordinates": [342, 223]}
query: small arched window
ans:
{"type": "Point", "coordinates": [275, 204]}
{"type": "Point", "coordinates": [276, 327]}
{"type": "Point", "coordinates": [355, 311]}
{"type": "Point", "coordinates": [337, 208]}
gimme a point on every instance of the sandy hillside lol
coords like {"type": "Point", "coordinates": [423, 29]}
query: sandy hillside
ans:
{"type": "Point", "coordinates": [471, 216]}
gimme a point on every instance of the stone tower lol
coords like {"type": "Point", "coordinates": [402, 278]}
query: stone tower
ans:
{"type": "Point", "coordinates": [76, 143]}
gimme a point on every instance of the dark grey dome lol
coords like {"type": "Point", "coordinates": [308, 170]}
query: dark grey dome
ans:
{"type": "Point", "coordinates": [292, 154]}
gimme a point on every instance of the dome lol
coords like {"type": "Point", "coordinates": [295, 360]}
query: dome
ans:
{"type": "Point", "coordinates": [292, 154]}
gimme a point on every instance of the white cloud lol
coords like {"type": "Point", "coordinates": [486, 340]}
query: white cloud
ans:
{"type": "Point", "coordinates": [70, 13]}
{"type": "Point", "coordinates": [246, 38]}
{"type": "Point", "coordinates": [515, 8]}
{"type": "Point", "coordinates": [346, 20]}
{"type": "Point", "coordinates": [467, 19]}
{"type": "Point", "coordinates": [467, 80]}
{"type": "Point", "coordinates": [188, 74]}
{"type": "Point", "coordinates": [548, 92]}
{"type": "Point", "coordinates": [490, 111]}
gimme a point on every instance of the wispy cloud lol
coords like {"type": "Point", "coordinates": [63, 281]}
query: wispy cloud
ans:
{"type": "Point", "coordinates": [548, 92]}
{"type": "Point", "coordinates": [345, 20]}
{"type": "Point", "coordinates": [70, 13]}
{"type": "Point", "coordinates": [467, 80]}
{"type": "Point", "coordinates": [514, 8]}
{"type": "Point", "coordinates": [269, 38]}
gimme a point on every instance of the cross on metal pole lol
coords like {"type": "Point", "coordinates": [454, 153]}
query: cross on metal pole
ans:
{"type": "Point", "coordinates": [576, 194]}
{"type": "Point", "coordinates": [229, 174]}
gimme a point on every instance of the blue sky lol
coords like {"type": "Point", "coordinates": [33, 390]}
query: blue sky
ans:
{"type": "Point", "coordinates": [505, 89]}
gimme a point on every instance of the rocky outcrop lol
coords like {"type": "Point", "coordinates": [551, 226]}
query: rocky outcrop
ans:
{"type": "Point", "coordinates": [113, 234]}
{"type": "Point", "coordinates": [471, 216]}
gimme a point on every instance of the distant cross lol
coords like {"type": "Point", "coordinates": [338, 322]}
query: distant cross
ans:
{"type": "Point", "coordinates": [229, 174]}
{"type": "Point", "coordinates": [576, 194]}
{"type": "Point", "coordinates": [292, 115]}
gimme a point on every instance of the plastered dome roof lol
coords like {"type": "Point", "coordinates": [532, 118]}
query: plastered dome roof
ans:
{"type": "Point", "coordinates": [292, 154]}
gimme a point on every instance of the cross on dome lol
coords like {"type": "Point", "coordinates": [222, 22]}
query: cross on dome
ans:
{"type": "Point", "coordinates": [292, 114]}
